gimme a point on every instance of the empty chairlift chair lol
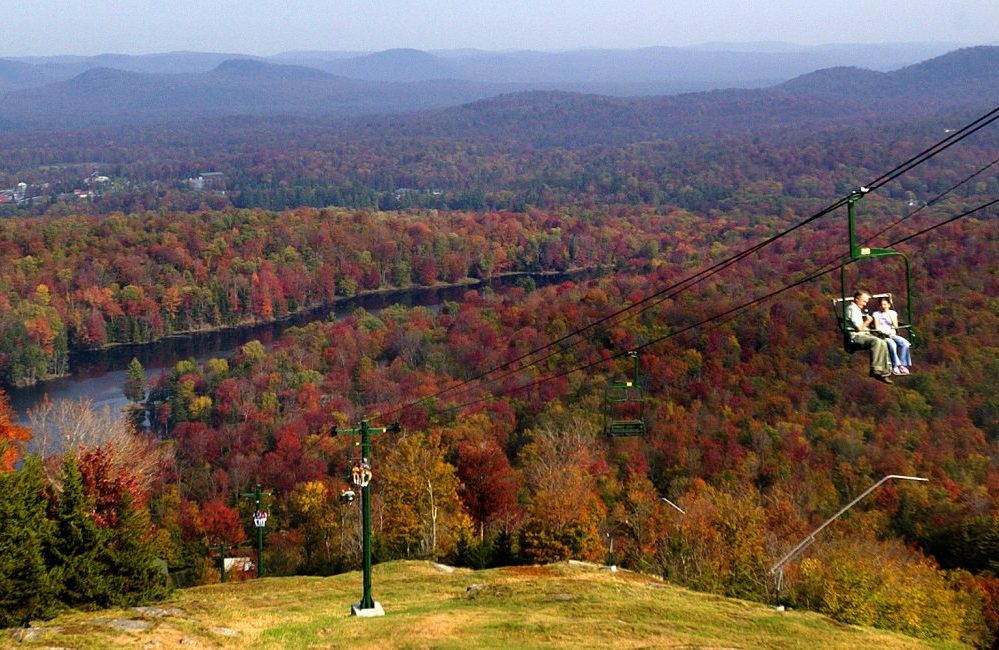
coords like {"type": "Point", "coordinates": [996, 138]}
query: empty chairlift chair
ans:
{"type": "Point", "coordinates": [624, 407]}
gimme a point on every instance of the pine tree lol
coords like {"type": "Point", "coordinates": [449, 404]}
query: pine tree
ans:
{"type": "Point", "coordinates": [135, 390]}
{"type": "Point", "coordinates": [135, 381]}
{"type": "Point", "coordinates": [133, 567]}
{"type": "Point", "coordinates": [79, 550]}
{"type": "Point", "coordinates": [26, 585]}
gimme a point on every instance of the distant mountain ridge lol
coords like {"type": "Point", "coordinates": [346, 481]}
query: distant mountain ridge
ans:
{"type": "Point", "coordinates": [634, 71]}
{"type": "Point", "coordinates": [105, 96]}
{"type": "Point", "coordinates": [958, 80]}
{"type": "Point", "coordinates": [253, 87]}
{"type": "Point", "coordinates": [974, 71]}
{"type": "Point", "coordinates": [394, 65]}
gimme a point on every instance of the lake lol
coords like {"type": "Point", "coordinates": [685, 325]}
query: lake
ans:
{"type": "Point", "coordinates": [99, 375]}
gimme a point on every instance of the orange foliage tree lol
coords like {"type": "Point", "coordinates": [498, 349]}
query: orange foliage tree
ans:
{"type": "Point", "coordinates": [12, 436]}
{"type": "Point", "coordinates": [565, 509]}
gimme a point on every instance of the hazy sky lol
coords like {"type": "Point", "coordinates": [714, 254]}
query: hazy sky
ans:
{"type": "Point", "coordinates": [263, 27]}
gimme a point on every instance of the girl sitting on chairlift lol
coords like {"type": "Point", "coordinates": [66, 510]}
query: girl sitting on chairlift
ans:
{"type": "Point", "coordinates": [886, 323]}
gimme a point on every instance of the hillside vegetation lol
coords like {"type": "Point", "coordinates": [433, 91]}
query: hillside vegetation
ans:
{"type": "Point", "coordinates": [756, 422]}
{"type": "Point", "coordinates": [554, 606]}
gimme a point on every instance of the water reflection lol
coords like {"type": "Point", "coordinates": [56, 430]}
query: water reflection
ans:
{"type": "Point", "coordinates": [100, 375]}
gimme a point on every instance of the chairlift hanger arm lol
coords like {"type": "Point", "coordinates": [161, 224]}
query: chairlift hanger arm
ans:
{"type": "Point", "coordinates": [811, 537]}
{"type": "Point", "coordinates": [859, 253]}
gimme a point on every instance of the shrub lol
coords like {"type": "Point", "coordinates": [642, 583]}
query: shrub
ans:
{"type": "Point", "coordinates": [887, 585]}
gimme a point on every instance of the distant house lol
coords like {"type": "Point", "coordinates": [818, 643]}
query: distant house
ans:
{"type": "Point", "coordinates": [403, 191]}
{"type": "Point", "coordinates": [215, 180]}
{"type": "Point", "coordinates": [94, 179]}
{"type": "Point", "coordinates": [207, 180]}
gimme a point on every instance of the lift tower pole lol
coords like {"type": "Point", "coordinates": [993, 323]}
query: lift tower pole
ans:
{"type": "Point", "coordinates": [259, 521]}
{"type": "Point", "coordinates": [362, 476]}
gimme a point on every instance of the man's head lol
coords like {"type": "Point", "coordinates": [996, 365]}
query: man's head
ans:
{"type": "Point", "coordinates": [861, 298]}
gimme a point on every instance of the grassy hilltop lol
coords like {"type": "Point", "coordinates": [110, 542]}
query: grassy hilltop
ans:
{"type": "Point", "coordinates": [554, 606]}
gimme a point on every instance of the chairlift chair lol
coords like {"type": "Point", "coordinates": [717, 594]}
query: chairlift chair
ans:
{"type": "Point", "coordinates": [860, 254]}
{"type": "Point", "coordinates": [839, 308]}
{"type": "Point", "coordinates": [624, 406]}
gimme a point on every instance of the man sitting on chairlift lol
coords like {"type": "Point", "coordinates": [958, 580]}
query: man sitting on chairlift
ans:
{"type": "Point", "coordinates": [862, 337]}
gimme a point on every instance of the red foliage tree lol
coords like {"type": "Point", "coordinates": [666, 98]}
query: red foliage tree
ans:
{"type": "Point", "coordinates": [108, 484]}
{"type": "Point", "coordinates": [488, 483]}
{"type": "Point", "coordinates": [220, 523]}
{"type": "Point", "coordinates": [11, 436]}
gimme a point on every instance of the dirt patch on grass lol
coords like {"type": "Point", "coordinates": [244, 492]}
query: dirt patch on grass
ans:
{"type": "Point", "coordinates": [527, 572]}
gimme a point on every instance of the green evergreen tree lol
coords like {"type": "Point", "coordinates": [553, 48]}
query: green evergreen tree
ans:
{"type": "Point", "coordinates": [134, 569]}
{"type": "Point", "coordinates": [135, 381]}
{"type": "Point", "coordinates": [80, 546]}
{"type": "Point", "coordinates": [27, 589]}
{"type": "Point", "coordinates": [135, 390]}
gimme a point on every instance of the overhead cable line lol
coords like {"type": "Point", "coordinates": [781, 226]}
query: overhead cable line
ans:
{"type": "Point", "coordinates": [665, 294]}
{"type": "Point", "coordinates": [943, 223]}
{"type": "Point", "coordinates": [698, 277]}
{"type": "Point", "coordinates": [934, 200]}
{"type": "Point", "coordinates": [931, 151]}
{"type": "Point", "coordinates": [723, 317]}
{"type": "Point", "coordinates": [662, 295]}
{"type": "Point", "coordinates": [662, 298]}
{"type": "Point", "coordinates": [839, 259]}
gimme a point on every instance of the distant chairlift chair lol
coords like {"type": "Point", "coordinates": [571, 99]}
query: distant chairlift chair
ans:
{"type": "Point", "coordinates": [624, 406]}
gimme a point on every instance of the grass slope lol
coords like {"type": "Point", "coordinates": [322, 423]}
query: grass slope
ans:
{"type": "Point", "coordinates": [555, 606]}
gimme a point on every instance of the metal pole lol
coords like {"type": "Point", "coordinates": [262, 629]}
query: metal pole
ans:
{"type": "Point", "coordinates": [257, 496]}
{"type": "Point", "coordinates": [853, 198]}
{"type": "Point", "coordinates": [260, 537]}
{"type": "Point", "coordinates": [367, 602]}
{"type": "Point", "coordinates": [222, 548]}
{"type": "Point", "coordinates": [850, 218]}
{"type": "Point", "coordinates": [854, 253]}
{"type": "Point", "coordinates": [913, 338]}
{"type": "Point", "coordinates": [675, 507]}
{"type": "Point", "coordinates": [778, 568]}
{"type": "Point", "coordinates": [367, 606]}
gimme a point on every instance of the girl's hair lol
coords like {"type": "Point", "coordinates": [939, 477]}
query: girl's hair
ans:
{"type": "Point", "coordinates": [885, 299]}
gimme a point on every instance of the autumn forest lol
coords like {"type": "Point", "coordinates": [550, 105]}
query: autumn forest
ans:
{"type": "Point", "coordinates": [759, 426]}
